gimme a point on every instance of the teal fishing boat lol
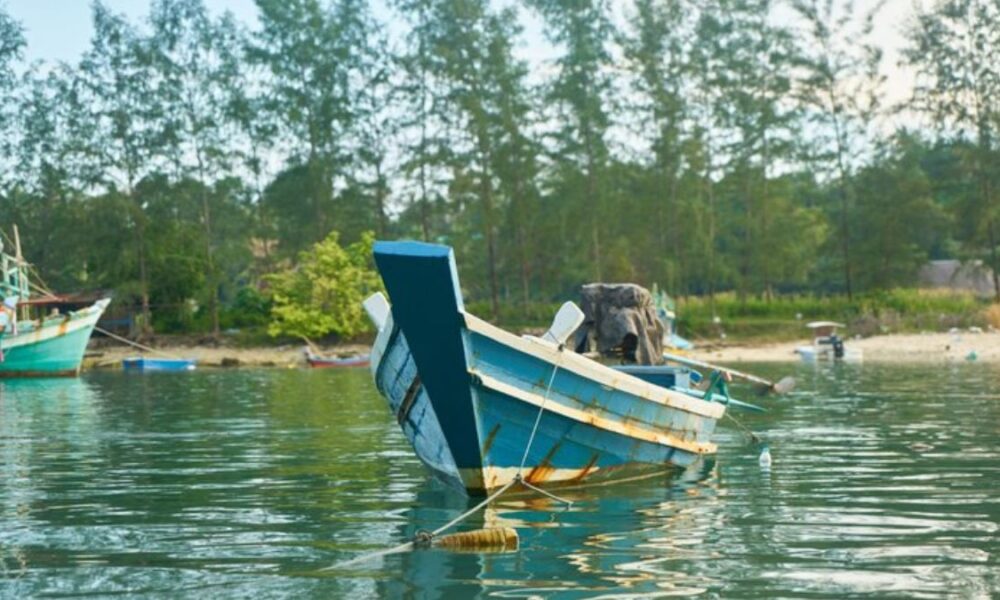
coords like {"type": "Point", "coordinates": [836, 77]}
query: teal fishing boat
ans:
{"type": "Point", "coordinates": [51, 345]}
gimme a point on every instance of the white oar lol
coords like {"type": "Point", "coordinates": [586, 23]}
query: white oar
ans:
{"type": "Point", "coordinates": [783, 386]}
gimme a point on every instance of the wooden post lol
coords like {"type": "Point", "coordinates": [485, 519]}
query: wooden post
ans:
{"type": "Point", "coordinates": [22, 284]}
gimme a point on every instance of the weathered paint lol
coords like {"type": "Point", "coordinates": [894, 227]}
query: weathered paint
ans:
{"type": "Point", "coordinates": [395, 373]}
{"type": "Point", "coordinates": [430, 317]}
{"type": "Point", "coordinates": [597, 423]}
{"type": "Point", "coordinates": [54, 348]}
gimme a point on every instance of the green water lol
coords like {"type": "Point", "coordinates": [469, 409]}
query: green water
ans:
{"type": "Point", "coordinates": [885, 483]}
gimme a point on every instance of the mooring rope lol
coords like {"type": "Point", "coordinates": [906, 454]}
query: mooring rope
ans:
{"type": "Point", "coordinates": [136, 344]}
{"type": "Point", "coordinates": [424, 538]}
{"type": "Point", "coordinates": [541, 409]}
{"type": "Point", "coordinates": [753, 436]}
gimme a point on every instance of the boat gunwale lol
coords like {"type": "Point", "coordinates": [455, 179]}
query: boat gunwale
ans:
{"type": "Point", "coordinates": [595, 371]}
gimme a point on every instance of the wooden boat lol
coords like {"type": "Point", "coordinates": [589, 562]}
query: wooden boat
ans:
{"type": "Point", "coordinates": [48, 346]}
{"type": "Point", "coordinates": [827, 345]}
{"type": "Point", "coordinates": [144, 363]}
{"type": "Point", "coordinates": [330, 362]}
{"type": "Point", "coordinates": [483, 407]}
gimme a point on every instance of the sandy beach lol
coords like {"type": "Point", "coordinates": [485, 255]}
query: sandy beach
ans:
{"type": "Point", "coordinates": [894, 348]}
{"type": "Point", "coordinates": [109, 356]}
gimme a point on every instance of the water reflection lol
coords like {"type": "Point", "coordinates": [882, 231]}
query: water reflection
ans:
{"type": "Point", "coordinates": [884, 482]}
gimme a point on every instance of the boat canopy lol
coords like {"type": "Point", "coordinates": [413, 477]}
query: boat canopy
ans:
{"type": "Point", "coordinates": [620, 318]}
{"type": "Point", "coordinates": [818, 324]}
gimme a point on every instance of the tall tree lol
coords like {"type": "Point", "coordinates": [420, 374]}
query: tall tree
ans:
{"type": "Point", "coordinates": [189, 65]}
{"type": "Point", "coordinates": [516, 152]}
{"type": "Point", "coordinates": [377, 124]}
{"type": "Point", "coordinates": [421, 124]}
{"type": "Point", "coordinates": [312, 54]}
{"type": "Point", "coordinates": [840, 86]}
{"type": "Point", "coordinates": [482, 83]}
{"type": "Point", "coordinates": [752, 57]}
{"type": "Point", "coordinates": [657, 48]}
{"type": "Point", "coordinates": [45, 182]}
{"type": "Point", "coordinates": [118, 135]}
{"type": "Point", "coordinates": [12, 44]}
{"type": "Point", "coordinates": [955, 50]}
{"type": "Point", "coordinates": [579, 97]}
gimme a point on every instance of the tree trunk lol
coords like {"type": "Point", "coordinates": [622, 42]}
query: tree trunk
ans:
{"type": "Point", "coordinates": [147, 317]}
{"type": "Point", "coordinates": [380, 201]}
{"type": "Point", "coordinates": [209, 254]}
{"type": "Point", "coordinates": [595, 235]}
{"type": "Point", "coordinates": [991, 233]}
{"type": "Point", "coordinates": [491, 250]}
{"type": "Point", "coordinates": [845, 236]}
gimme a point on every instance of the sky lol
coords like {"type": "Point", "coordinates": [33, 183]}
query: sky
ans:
{"type": "Point", "coordinates": [60, 30]}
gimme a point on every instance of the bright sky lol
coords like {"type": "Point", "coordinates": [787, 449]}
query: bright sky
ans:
{"type": "Point", "coordinates": [59, 30]}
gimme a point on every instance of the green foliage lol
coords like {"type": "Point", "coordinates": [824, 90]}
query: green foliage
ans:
{"type": "Point", "coordinates": [784, 317]}
{"type": "Point", "coordinates": [250, 308]}
{"type": "Point", "coordinates": [706, 147]}
{"type": "Point", "coordinates": [322, 295]}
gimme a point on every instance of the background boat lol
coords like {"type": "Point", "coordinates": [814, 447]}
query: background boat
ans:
{"type": "Point", "coordinates": [143, 363]}
{"type": "Point", "coordinates": [51, 345]}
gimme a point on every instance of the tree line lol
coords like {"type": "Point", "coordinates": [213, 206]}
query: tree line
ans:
{"type": "Point", "coordinates": [706, 146]}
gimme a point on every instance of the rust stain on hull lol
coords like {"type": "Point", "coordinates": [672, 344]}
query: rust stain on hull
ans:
{"type": "Point", "coordinates": [587, 468]}
{"type": "Point", "coordinates": [544, 468]}
{"type": "Point", "coordinates": [489, 439]}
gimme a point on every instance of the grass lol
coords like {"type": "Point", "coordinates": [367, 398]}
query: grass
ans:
{"type": "Point", "coordinates": [784, 317]}
{"type": "Point", "coordinates": [753, 319]}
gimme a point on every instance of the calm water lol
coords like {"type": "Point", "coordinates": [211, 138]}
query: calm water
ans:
{"type": "Point", "coordinates": [885, 482]}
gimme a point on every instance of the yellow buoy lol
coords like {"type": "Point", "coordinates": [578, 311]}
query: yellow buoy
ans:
{"type": "Point", "coordinates": [496, 539]}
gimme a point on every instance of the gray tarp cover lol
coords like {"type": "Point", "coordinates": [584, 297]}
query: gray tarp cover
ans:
{"type": "Point", "coordinates": [620, 317]}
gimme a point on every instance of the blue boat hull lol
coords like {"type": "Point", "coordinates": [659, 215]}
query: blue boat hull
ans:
{"type": "Point", "coordinates": [159, 364]}
{"type": "Point", "coordinates": [468, 395]}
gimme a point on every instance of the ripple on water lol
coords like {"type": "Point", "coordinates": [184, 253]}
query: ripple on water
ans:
{"type": "Point", "coordinates": [885, 483]}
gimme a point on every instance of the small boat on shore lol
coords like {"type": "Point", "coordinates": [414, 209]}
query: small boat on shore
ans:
{"type": "Point", "coordinates": [145, 363]}
{"type": "Point", "coordinates": [50, 345]}
{"type": "Point", "coordinates": [483, 407]}
{"type": "Point", "coordinates": [334, 362]}
{"type": "Point", "coordinates": [827, 345]}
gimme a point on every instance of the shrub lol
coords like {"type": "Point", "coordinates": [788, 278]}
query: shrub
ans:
{"type": "Point", "coordinates": [323, 293]}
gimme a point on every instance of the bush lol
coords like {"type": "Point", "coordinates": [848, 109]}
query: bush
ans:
{"type": "Point", "coordinates": [322, 294]}
{"type": "Point", "coordinates": [784, 317]}
{"type": "Point", "coordinates": [249, 309]}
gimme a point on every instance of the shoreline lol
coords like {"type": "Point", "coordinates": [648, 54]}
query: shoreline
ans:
{"type": "Point", "coordinates": [108, 356]}
{"type": "Point", "coordinates": [919, 348]}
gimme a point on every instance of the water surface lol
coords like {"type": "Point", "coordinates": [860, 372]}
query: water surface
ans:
{"type": "Point", "coordinates": [885, 483]}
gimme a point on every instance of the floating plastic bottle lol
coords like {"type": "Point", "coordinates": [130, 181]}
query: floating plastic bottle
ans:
{"type": "Point", "coordinates": [765, 457]}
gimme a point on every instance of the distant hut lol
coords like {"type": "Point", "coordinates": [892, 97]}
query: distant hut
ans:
{"type": "Point", "coordinates": [970, 276]}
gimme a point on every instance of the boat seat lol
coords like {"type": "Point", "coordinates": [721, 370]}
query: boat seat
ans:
{"type": "Point", "coordinates": [377, 308]}
{"type": "Point", "coordinates": [566, 322]}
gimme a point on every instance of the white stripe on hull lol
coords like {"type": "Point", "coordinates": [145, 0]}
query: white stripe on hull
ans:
{"type": "Point", "coordinates": [594, 420]}
{"type": "Point", "coordinates": [585, 367]}
{"type": "Point", "coordinates": [83, 319]}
